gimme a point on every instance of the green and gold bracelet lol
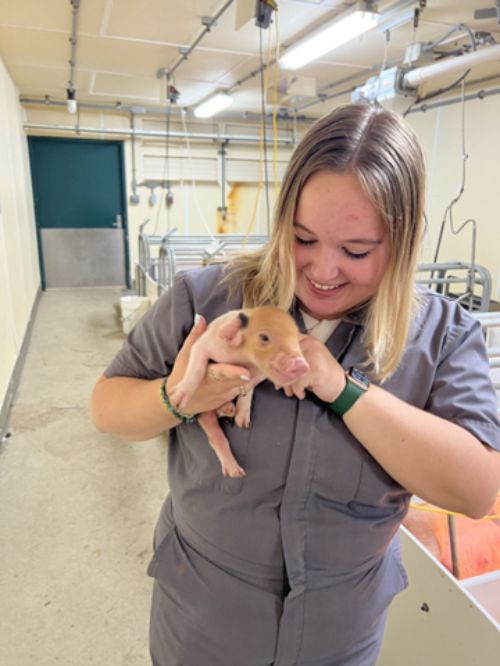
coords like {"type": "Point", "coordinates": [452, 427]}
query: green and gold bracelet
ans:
{"type": "Point", "coordinates": [185, 418]}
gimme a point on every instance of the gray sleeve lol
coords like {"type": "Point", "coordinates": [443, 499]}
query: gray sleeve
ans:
{"type": "Point", "coordinates": [462, 391]}
{"type": "Point", "coordinates": [153, 344]}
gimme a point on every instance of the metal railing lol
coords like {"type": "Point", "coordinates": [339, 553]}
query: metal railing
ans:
{"type": "Point", "coordinates": [161, 257]}
{"type": "Point", "coordinates": [471, 286]}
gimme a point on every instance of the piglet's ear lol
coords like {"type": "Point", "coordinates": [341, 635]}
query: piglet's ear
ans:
{"type": "Point", "coordinates": [232, 333]}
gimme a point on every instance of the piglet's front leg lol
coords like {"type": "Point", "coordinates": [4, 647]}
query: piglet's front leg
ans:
{"type": "Point", "coordinates": [244, 400]}
{"type": "Point", "coordinates": [195, 371]}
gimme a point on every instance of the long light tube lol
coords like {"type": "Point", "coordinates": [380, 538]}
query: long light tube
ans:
{"type": "Point", "coordinates": [213, 105]}
{"type": "Point", "coordinates": [328, 38]}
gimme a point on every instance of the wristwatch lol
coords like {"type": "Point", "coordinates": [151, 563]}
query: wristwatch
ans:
{"type": "Point", "coordinates": [356, 384]}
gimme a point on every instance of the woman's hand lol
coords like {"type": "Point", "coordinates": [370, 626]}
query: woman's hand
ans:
{"type": "Point", "coordinates": [222, 382]}
{"type": "Point", "coordinates": [326, 377]}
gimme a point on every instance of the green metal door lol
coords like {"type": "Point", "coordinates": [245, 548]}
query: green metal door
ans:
{"type": "Point", "coordinates": [79, 193]}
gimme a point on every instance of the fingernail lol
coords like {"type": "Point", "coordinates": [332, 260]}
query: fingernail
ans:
{"type": "Point", "coordinates": [244, 378]}
{"type": "Point", "coordinates": [197, 318]}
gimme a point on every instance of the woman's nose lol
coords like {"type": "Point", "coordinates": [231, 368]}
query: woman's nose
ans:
{"type": "Point", "coordinates": [326, 266]}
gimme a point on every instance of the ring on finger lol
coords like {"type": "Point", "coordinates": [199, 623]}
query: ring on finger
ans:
{"type": "Point", "coordinates": [242, 391]}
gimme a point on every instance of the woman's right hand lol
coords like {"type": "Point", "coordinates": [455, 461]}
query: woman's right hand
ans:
{"type": "Point", "coordinates": [222, 383]}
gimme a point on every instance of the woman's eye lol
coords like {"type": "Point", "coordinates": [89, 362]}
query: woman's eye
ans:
{"type": "Point", "coordinates": [355, 255]}
{"type": "Point", "coordinates": [264, 338]}
{"type": "Point", "coordinates": [303, 241]}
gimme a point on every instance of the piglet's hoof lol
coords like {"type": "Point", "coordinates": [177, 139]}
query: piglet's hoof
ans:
{"type": "Point", "coordinates": [233, 471]}
{"type": "Point", "coordinates": [242, 420]}
{"type": "Point", "coordinates": [177, 398]}
{"type": "Point", "coordinates": [228, 410]}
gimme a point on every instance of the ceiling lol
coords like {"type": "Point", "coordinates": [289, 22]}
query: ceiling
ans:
{"type": "Point", "coordinates": [122, 45]}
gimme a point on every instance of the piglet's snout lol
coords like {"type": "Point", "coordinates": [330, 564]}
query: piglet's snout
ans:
{"type": "Point", "coordinates": [293, 368]}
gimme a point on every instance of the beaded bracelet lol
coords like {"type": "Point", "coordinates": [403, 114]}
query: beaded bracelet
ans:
{"type": "Point", "coordinates": [185, 418]}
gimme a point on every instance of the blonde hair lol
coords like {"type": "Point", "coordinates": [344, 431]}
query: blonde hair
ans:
{"type": "Point", "coordinates": [379, 148]}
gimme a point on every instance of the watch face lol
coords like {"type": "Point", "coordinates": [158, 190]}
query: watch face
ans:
{"type": "Point", "coordinates": [359, 378]}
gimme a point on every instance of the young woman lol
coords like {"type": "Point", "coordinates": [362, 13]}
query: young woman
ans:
{"type": "Point", "coordinates": [297, 562]}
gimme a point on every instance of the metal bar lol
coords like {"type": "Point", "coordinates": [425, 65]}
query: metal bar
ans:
{"type": "Point", "coordinates": [208, 27]}
{"type": "Point", "coordinates": [453, 546]}
{"type": "Point", "coordinates": [197, 136]}
{"type": "Point", "coordinates": [118, 107]}
{"type": "Point", "coordinates": [75, 4]}
{"type": "Point", "coordinates": [480, 94]}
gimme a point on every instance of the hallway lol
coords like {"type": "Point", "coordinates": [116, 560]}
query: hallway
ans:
{"type": "Point", "coordinates": [78, 507]}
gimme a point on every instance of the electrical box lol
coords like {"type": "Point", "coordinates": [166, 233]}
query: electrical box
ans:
{"type": "Point", "coordinates": [260, 10]}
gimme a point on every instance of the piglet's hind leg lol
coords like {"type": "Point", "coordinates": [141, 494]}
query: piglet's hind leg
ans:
{"type": "Point", "coordinates": [218, 441]}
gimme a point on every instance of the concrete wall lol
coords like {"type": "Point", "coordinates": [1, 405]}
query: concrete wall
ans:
{"type": "Point", "coordinates": [440, 133]}
{"type": "Point", "coordinates": [19, 273]}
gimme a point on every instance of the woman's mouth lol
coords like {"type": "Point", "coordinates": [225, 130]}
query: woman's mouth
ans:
{"type": "Point", "coordinates": [326, 288]}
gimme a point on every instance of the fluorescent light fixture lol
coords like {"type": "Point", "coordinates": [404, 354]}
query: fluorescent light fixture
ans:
{"type": "Point", "coordinates": [328, 38]}
{"type": "Point", "coordinates": [213, 105]}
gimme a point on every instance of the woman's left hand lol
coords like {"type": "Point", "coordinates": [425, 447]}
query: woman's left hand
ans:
{"type": "Point", "coordinates": [326, 377]}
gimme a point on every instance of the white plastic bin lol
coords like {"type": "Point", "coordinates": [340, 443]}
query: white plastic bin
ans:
{"type": "Point", "coordinates": [132, 308]}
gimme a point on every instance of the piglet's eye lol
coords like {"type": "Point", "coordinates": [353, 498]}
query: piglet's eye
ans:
{"type": "Point", "coordinates": [263, 337]}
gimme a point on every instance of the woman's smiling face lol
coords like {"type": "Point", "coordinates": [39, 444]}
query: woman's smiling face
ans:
{"type": "Point", "coordinates": [341, 245]}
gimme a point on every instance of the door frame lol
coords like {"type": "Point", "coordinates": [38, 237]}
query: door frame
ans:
{"type": "Point", "coordinates": [35, 139]}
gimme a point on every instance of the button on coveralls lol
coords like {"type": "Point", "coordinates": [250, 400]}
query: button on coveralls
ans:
{"type": "Point", "coordinates": [296, 563]}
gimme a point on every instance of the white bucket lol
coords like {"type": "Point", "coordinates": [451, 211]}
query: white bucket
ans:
{"type": "Point", "coordinates": [132, 307]}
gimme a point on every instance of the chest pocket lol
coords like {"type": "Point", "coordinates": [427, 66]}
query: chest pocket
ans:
{"type": "Point", "coordinates": [338, 460]}
{"type": "Point", "coordinates": [193, 458]}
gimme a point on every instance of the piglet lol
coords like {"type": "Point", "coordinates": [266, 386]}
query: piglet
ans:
{"type": "Point", "coordinates": [266, 341]}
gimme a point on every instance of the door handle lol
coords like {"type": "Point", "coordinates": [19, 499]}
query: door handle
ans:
{"type": "Point", "coordinates": [118, 222]}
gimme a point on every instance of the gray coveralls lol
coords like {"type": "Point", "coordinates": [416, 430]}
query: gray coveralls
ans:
{"type": "Point", "coordinates": [296, 563]}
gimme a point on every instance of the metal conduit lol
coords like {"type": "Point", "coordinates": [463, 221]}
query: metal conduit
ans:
{"type": "Point", "coordinates": [156, 111]}
{"type": "Point", "coordinates": [75, 5]}
{"type": "Point", "coordinates": [401, 4]}
{"type": "Point", "coordinates": [196, 136]}
{"type": "Point", "coordinates": [208, 22]}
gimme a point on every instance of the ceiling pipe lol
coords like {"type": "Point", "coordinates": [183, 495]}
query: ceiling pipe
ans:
{"type": "Point", "coordinates": [195, 136]}
{"type": "Point", "coordinates": [416, 77]}
{"type": "Point", "coordinates": [387, 17]}
{"type": "Point", "coordinates": [480, 94]}
{"type": "Point", "coordinates": [208, 22]}
{"type": "Point", "coordinates": [141, 110]}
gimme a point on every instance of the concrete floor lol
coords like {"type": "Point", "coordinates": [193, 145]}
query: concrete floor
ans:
{"type": "Point", "coordinates": [78, 510]}
{"type": "Point", "coordinates": [78, 507]}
